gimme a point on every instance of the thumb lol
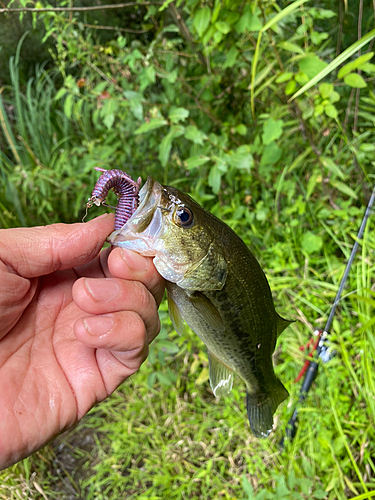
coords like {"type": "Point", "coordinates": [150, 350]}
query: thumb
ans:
{"type": "Point", "coordinates": [37, 251]}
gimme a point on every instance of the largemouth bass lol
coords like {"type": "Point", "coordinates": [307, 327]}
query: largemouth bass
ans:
{"type": "Point", "coordinates": [216, 285]}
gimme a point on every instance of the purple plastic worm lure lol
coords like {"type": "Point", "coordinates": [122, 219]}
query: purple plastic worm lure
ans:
{"type": "Point", "coordinates": [125, 189]}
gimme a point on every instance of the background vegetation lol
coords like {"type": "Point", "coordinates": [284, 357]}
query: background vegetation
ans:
{"type": "Point", "coordinates": [197, 93]}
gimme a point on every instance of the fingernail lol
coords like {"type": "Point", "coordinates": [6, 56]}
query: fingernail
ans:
{"type": "Point", "coordinates": [102, 290]}
{"type": "Point", "coordinates": [135, 261]}
{"type": "Point", "coordinates": [98, 325]}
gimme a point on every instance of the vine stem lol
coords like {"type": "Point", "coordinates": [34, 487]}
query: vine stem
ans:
{"type": "Point", "coordinates": [80, 9]}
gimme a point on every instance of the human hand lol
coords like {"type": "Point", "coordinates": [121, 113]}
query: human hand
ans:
{"type": "Point", "coordinates": [73, 326]}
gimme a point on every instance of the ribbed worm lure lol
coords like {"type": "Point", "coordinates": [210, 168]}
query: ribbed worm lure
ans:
{"type": "Point", "coordinates": [124, 188]}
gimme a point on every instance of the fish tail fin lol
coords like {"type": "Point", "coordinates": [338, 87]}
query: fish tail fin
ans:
{"type": "Point", "coordinates": [261, 407]}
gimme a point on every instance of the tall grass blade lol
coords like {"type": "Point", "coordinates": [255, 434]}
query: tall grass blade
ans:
{"type": "Point", "coordinates": [364, 496]}
{"type": "Point", "coordinates": [336, 62]}
{"type": "Point", "coordinates": [272, 22]}
{"type": "Point", "coordinates": [282, 14]}
{"type": "Point", "coordinates": [7, 130]}
{"type": "Point", "coordinates": [14, 74]}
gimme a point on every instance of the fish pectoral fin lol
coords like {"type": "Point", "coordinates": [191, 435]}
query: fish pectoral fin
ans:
{"type": "Point", "coordinates": [207, 310]}
{"type": "Point", "coordinates": [174, 313]}
{"type": "Point", "coordinates": [282, 324]}
{"type": "Point", "coordinates": [261, 407]}
{"type": "Point", "coordinates": [221, 377]}
{"type": "Point", "coordinates": [208, 274]}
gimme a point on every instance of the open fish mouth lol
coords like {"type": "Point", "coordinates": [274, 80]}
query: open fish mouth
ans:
{"type": "Point", "coordinates": [146, 224]}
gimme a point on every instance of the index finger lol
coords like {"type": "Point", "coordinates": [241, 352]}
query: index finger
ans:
{"type": "Point", "coordinates": [128, 265]}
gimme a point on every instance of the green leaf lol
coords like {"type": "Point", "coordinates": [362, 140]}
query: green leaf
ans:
{"type": "Point", "coordinates": [135, 102]}
{"type": "Point", "coordinates": [61, 92]}
{"type": "Point", "coordinates": [336, 62]}
{"type": "Point", "coordinates": [311, 65]}
{"type": "Point", "coordinates": [271, 154]}
{"type": "Point", "coordinates": [326, 14]}
{"type": "Point", "coordinates": [172, 76]}
{"type": "Point", "coordinates": [284, 77]}
{"type": "Point", "coordinates": [202, 20]}
{"type": "Point", "coordinates": [216, 11]}
{"type": "Point", "coordinates": [368, 68]}
{"type": "Point", "coordinates": [301, 78]}
{"type": "Point", "coordinates": [344, 188]}
{"type": "Point", "coordinates": [165, 5]}
{"type": "Point", "coordinates": [231, 57]}
{"type": "Point", "coordinates": [108, 120]}
{"type": "Point", "coordinates": [311, 242]}
{"type": "Point", "coordinates": [178, 114]}
{"type": "Point", "coordinates": [163, 379]}
{"type": "Point", "coordinates": [241, 160]}
{"type": "Point", "coordinates": [317, 38]}
{"type": "Point", "coordinates": [68, 106]}
{"type": "Point", "coordinates": [311, 185]}
{"type": "Point", "coordinates": [203, 377]}
{"type": "Point", "coordinates": [360, 61]}
{"type": "Point", "coordinates": [320, 494]}
{"type": "Point", "coordinates": [354, 80]}
{"type": "Point", "coordinates": [248, 489]}
{"type": "Point", "coordinates": [290, 87]}
{"type": "Point", "coordinates": [137, 109]}
{"type": "Point", "coordinates": [194, 135]}
{"type": "Point", "coordinates": [248, 21]}
{"type": "Point", "coordinates": [214, 179]}
{"type": "Point", "coordinates": [131, 95]}
{"type": "Point", "coordinates": [196, 161]}
{"type": "Point", "coordinates": [272, 130]}
{"type": "Point", "coordinates": [166, 144]}
{"type": "Point", "coordinates": [222, 27]}
{"type": "Point", "coordinates": [151, 74]}
{"type": "Point", "coordinates": [331, 111]}
{"type": "Point", "coordinates": [291, 47]}
{"type": "Point", "coordinates": [307, 468]}
{"type": "Point", "coordinates": [325, 90]}
{"type": "Point", "coordinates": [281, 488]}
{"type": "Point", "coordinates": [241, 129]}
{"type": "Point", "coordinates": [153, 124]}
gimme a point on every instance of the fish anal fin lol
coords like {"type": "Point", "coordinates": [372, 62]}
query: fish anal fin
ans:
{"type": "Point", "coordinates": [176, 318]}
{"type": "Point", "coordinates": [261, 407]}
{"type": "Point", "coordinates": [207, 310]}
{"type": "Point", "coordinates": [221, 377]}
{"type": "Point", "coordinates": [282, 324]}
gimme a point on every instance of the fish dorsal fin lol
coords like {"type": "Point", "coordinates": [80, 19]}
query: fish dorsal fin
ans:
{"type": "Point", "coordinates": [207, 310]}
{"type": "Point", "coordinates": [221, 377]}
{"type": "Point", "coordinates": [281, 324]}
{"type": "Point", "coordinates": [208, 274]}
{"type": "Point", "coordinates": [175, 315]}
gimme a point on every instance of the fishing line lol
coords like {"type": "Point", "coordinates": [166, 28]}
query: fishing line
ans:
{"type": "Point", "coordinates": [323, 351]}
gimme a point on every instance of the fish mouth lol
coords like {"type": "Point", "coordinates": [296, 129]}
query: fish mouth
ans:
{"type": "Point", "coordinates": [146, 221]}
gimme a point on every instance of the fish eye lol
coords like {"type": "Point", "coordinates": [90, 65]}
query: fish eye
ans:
{"type": "Point", "coordinates": [184, 217]}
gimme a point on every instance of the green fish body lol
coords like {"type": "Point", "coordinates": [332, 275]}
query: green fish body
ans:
{"type": "Point", "coordinates": [218, 288]}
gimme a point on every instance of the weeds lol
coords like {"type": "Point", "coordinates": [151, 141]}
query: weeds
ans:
{"type": "Point", "coordinates": [289, 176]}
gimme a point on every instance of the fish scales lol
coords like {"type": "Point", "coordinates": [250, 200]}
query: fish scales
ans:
{"type": "Point", "coordinates": [216, 285]}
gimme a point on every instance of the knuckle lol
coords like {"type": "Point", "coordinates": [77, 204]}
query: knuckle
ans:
{"type": "Point", "coordinates": [138, 330]}
{"type": "Point", "coordinates": [142, 295]}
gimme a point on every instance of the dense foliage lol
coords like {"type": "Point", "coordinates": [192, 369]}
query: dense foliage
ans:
{"type": "Point", "coordinates": [198, 94]}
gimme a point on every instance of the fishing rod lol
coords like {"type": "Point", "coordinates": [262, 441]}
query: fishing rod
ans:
{"type": "Point", "coordinates": [323, 351]}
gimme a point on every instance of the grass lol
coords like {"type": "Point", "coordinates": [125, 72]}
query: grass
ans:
{"type": "Point", "coordinates": [168, 437]}
{"type": "Point", "coordinates": [162, 434]}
